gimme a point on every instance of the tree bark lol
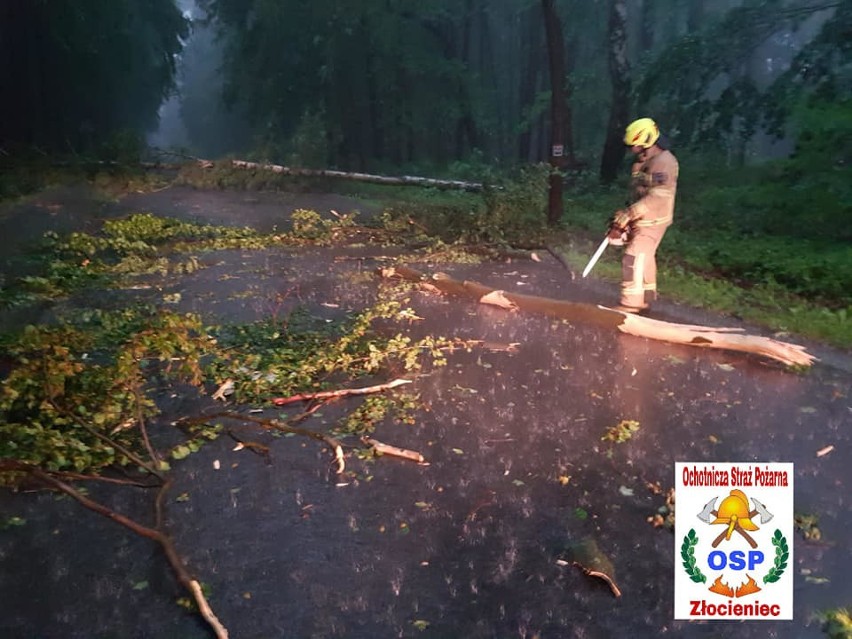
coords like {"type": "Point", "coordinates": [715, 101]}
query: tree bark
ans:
{"type": "Point", "coordinates": [531, 48]}
{"type": "Point", "coordinates": [687, 334]}
{"type": "Point", "coordinates": [466, 132]}
{"type": "Point", "coordinates": [556, 61]}
{"type": "Point", "coordinates": [619, 73]}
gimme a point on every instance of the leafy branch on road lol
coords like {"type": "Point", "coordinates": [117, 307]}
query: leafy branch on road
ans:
{"type": "Point", "coordinates": [79, 400]}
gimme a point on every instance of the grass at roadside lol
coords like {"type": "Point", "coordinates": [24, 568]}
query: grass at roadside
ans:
{"type": "Point", "coordinates": [786, 283]}
{"type": "Point", "coordinates": [766, 305]}
{"type": "Point", "coordinates": [788, 280]}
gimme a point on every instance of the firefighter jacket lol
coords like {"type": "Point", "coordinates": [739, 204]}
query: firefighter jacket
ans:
{"type": "Point", "coordinates": [654, 184]}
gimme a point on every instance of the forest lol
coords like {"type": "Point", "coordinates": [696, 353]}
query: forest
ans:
{"type": "Point", "coordinates": [753, 95]}
{"type": "Point", "coordinates": [474, 136]}
{"type": "Point", "coordinates": [376, 85]}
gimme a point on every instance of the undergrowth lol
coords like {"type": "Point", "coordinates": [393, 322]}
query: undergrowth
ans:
{"type": "Point", "coordinates": [837, 623]}
{"type": "Point", "coordinates": [768, 304]}
{"type": "Point", "coordinates": [773, 265]}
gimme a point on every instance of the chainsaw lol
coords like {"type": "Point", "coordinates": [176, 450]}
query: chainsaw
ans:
{"type": "Point", "coordinates": [596, 256]}
{"type": "Point", "coordinates": [606, 241]}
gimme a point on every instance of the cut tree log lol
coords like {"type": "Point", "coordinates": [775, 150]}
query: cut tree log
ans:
{"type": "Point", "coordinates": [403, 180]}
{"type": "Point", "coordinates": [702, 336]}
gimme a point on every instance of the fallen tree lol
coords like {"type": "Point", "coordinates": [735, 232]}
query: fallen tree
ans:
{"type": "Point", "coordinates": [702, 336]}
{"type": "Point", "coordinates": [403, 180]}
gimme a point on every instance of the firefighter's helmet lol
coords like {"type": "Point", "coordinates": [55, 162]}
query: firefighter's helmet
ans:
{"type": "Point", "coordinates": [643, 132]}
{"type": "Point", "coordinates": [734, 511]}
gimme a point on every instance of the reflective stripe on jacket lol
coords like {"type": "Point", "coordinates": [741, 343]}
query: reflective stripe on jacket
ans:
{"type": "Point", "coordinates": [654, 187]}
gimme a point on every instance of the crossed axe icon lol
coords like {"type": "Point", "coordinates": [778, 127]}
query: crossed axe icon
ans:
{"type": "Point", "coordinates": [737, 501]}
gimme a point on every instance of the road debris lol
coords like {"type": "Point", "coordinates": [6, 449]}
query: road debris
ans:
{"type": "Point", "coordinates": [394, 451]}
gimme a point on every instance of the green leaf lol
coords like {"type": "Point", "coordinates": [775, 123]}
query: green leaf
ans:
{"type": "Point", "coordinates": [12, 522]}
{"type": "Point", "coordinates": [181, 452]}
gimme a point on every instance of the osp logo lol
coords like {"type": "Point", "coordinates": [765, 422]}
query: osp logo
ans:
{"type": "Point", "coordinates": [733, 550]}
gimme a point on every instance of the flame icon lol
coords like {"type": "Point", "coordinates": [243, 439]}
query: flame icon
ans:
{"type": "Point", "coordinates": [748, 587]}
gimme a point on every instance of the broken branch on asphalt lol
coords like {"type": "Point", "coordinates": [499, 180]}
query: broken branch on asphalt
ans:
{"type": "Point", "coordinates": [600, 575]}
{"type": "Point", "coordinates": [387, 449]}
{"type": "Point", "coordinates": [687, 334]}
{"type": "Point", "coordinates": [344, 392]}
{"type": "Point", "coordinates": [156, 534]}
{"type": "Point", "coordinates": [274, 424]}
{"type": "Point", "coordinates": [256, 448]}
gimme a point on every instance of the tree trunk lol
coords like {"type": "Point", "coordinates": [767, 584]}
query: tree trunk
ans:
{"type": "Point", "coordinates": [556, 59]}
{"type": "Point", "coordinates": [619, 73]}
{"type": "Point", "coordinates": [646, 26]}
{"type": "Point", "coordinates": [529, 81]}
{"type": "Point", "coordinates": [377, 144]}
{"type": "Point", "coordinates": [466, 133]}
{"type": "Point", "coordinates": [695, 16]}
{"type": "Point", "coordinates": [404, 180]}
{"type": "Point", "coordinates": [701, 336]}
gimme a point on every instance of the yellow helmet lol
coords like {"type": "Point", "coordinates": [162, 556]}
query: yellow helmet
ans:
{"type": "Point", "coordinates": [643, 132]}
{"type": "Point", "coordinates": [734, 510]}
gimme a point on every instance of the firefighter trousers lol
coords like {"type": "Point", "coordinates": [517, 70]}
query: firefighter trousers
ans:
{"type": "Point", "coordinates": [639, 267]}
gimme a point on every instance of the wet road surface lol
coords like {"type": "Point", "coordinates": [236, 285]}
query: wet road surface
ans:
{"type": "Point", "coordinates": [470, 544]}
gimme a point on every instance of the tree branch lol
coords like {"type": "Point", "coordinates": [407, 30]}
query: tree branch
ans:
{"type": "Point", "coordinates": [154, 534]}
{"type": "Point", "coordinates": [274, 424]}
{"type": "Point", "coordinates": [334, 394]}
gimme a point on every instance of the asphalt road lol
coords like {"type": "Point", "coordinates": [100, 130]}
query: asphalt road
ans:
{"type": "Point", "coordinates": [475, 543]}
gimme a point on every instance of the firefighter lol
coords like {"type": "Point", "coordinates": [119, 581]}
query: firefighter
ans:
{"type": "Point", "coordinates": [643, 223]}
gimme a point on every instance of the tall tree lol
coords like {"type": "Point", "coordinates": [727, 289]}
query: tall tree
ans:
{"type": "Point", "coordinates": [532, 94]}
{"type": "Point", "coordinates": [820, 72]}
{"type": "Point", "coordinates": [386, 81]}
{"type": "Point", "coordinates": [619, 73]}
{"type": "Point", "coordinates": [647, 25]}
{"type": "Point", "coordinates": [695, 15]}
{"type": "Point", "coordinates": [558, 109]}
{"type": "Point", "coordinates": [74, 74]}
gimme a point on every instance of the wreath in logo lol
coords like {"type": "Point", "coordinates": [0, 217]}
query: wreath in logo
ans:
{"type": "Point", "coordinates": [690, 565]}
{"type": "Point", "coordinates": [782, 554]}
{"type": "Point", "coordinates": [687, 553]}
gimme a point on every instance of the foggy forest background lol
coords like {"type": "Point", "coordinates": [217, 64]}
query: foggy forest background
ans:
{"type": "Point", "coordinates": [382, 85]}
{"type": "Point", "coordinates": [461, 89]}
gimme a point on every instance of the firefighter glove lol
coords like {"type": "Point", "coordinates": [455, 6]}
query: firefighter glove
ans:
{"type": "Point", "coordinates": [621, 218]}
{"type": "Point", "coordinates": [615, 232]}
